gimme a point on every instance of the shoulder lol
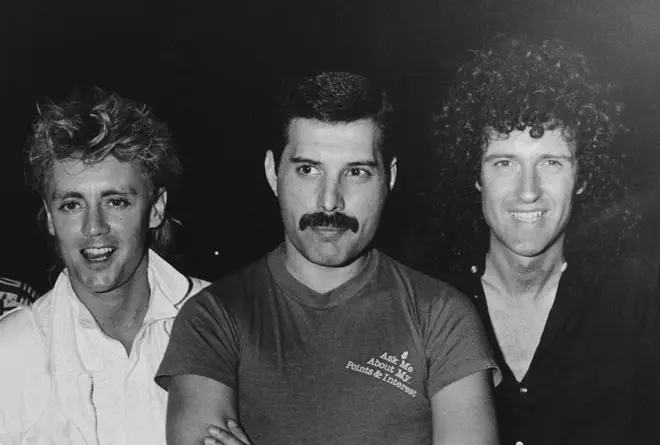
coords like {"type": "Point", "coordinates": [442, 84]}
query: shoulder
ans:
{"type": "Point", "coordinates": [24, 374]}
{"type": "Point", "coordinates": [233, 288]}
{"type": "Point", "coordinates": [230, 294]}
{"type": "Point", "coordinates": [197, 284]}
{"type": "Point", "coordinates": [14, 323]}
{"type": "Point", "coordinates": [22, 327]}
{"type": "Point", "coordinates": [22, 333]}
{"type": "Point", "coordinates": [426, 290]}
{"type": "Point", "coordinates": [194, 287]}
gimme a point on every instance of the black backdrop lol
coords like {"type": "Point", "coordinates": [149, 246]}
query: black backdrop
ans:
{"type": "Point", "coordinates": [210, 69]}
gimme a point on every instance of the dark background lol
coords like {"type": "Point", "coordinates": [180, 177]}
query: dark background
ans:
{"type": "Point", "coordinates": [211, 69]}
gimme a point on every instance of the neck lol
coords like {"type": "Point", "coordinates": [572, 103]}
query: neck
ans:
{"type": "Point", "coordinates": [523, 277]}
{"type": "Point", "coordinates": [121, 309]}
{"type": "Point", "coordinates": [320, 278]}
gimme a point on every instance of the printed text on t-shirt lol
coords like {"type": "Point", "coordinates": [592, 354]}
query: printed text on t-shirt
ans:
{"type": "Point", "coordinates": [388, 368]}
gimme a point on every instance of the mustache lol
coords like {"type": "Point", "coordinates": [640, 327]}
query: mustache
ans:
{"type": "Point", "coordinates": [338, 220]}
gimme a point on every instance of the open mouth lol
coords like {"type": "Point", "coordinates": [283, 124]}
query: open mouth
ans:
{"type": "Point", "coordinates": [97, 254]}
{"type": "Point", "coordinates": [527, 217]}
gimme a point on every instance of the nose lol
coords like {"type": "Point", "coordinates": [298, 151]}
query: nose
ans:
{"type": "Point", "coordinates": [529, 189]}
{"type": "Point", "coordinates": [331, 197]}
{"type": "Point", "coordinates": [95, 223]}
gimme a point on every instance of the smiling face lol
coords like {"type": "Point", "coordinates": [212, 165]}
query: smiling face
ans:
{"type": "Point", "coordinates": [100, 216]}
{"type": "Point", "coordinates": [527, 188]}
{"type": "Point", "coordinates": [332, 185]}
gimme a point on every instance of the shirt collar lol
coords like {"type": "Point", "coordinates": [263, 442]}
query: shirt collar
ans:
{"type": "Point", "coordinates": [478, 270]}
{"type": "Point", "coordinates": [169, 289]}
{"type": "Point", "coordinates": [293, 288]}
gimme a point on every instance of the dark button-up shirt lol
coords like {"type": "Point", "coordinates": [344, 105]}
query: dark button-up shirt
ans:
{"type": "Point", "coordinates": [591, 378]}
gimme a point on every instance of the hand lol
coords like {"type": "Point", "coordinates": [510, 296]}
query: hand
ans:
{"type": "Point", "coordinates": [235, 435]}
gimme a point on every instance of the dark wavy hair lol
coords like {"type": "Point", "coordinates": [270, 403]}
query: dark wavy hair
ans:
{"type": "Point", "coordinates": [334, 98]}
{"type": "Point", "coordinates": [99, 125]}
{"type": "Point", "coordinates": [514, 86]}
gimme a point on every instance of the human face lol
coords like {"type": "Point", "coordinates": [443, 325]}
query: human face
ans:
{"type": "Point", "coordinates": [527, 188]}
{"type": "Point", "coordinates": [328, 171]}
{"type": "Point", "coordinates": [100, 215]}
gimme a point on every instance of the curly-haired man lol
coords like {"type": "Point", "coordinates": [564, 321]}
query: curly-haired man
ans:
{"type": "Point", "coordinates": [78, 365]}
{"type": "Point", "coordinates": [529, 179]}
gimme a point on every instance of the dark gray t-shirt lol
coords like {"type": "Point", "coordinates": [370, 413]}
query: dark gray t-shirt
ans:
{"type": "Point", "coordinates": [358, 364]}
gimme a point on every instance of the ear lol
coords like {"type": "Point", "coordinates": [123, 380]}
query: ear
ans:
{"type": "Point", "coordinates": [271, 171]}
{"type": "Point", "coordinates": [582, 188]}
{"type": "Point", "coordinates": [157, 214]}
{"type": "Point", "coordinates": [393, 171]}
{"type": "Point", "coordinates": [477, 185]}
{"type": "Point", "coordinates": [49, 219]}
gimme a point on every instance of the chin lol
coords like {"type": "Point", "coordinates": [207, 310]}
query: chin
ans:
{"type": "Point", "coordinates": [335, 259]}
{"type": "Point", "coordinates": [98, 284]}
{"type": "Point", "coordinates": [528, 251]}
{"type": "Point", "coordinates": [328, 260]}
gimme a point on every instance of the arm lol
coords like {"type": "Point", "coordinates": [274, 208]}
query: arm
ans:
{"type": "Point", "coordinates": [203, 351]}
{"type": "Point", "coordinates": [195, 404]}
{"type": "Point", "coordinates": [463, 412]}
{"type": "Point", "coordinates": [25, 379]}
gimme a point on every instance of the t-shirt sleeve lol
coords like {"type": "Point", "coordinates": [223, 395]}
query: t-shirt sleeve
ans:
{"type": "Point", "coordinates": [205, 341]}
{"type": "Point", "coordinates": [456, 342]}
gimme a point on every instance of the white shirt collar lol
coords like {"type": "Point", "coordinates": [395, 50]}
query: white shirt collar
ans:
{"type": "Point", "coordinates": [168, 286]}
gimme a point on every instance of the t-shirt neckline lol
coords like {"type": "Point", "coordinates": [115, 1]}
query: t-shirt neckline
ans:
{"type": "Point", "coordinates": [293, 288]}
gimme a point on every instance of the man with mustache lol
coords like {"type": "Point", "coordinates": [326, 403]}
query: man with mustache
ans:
{"type": "Point", "coordinates": [78, 365]}
{"type": "Point", "coordinates": [326, 339]}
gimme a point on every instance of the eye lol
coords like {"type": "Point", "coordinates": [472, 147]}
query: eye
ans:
{"type": "Point", "coordinates": [307, 170]}
{"type": "Point", "coordinates": [358, 172]}
{"type": "Point", "coordinates": [554, 163]}
{"type": "Point", "coordinates": [69, 206]}
{"type": "Point", "coordinates": [502, 163]}
{"type": "Point", "coordinates": [118, 202]}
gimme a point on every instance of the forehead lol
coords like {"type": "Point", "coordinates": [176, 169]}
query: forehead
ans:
{"type": "Point", "coordinates": [523, 144]}
{"type": "Point", "coordinates": [353, 140]}
{"type": "Point", "coordinates": [73, 175]}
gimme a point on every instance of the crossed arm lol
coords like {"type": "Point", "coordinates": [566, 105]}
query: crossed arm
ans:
{"type": "Point", "coordinates": [203, 411]}
{"type": "Point", "coordinates": [197, 404]}
{"type": "Point", "coordinates": [463, 412]}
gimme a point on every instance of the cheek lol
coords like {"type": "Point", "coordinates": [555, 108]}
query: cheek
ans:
{"type": "Point", "coordinates": [367, 206]}
{"type": "Point", "coordinates": [296, 200]}
{"type": "Point", "coordinates": [492, 197]}
{"type": "Point", "coordinates": [62, 226]}
{"type": "Point", "coordinates": [563, 190]}
{"type": "Point", "coordinates": [498, 186]}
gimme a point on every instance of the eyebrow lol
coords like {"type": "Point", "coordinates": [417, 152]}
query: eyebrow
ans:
{"type": "Point", "coordinates": [63, 194]}
{"type": "Point", "coordinates": [490, 157]}
{"type": "Point", "coordinates": [363, 163]}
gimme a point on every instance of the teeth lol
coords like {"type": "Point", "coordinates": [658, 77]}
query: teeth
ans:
{"type": "Point", "coordinates": [97, 253]}
{"type": "Point", "coordinates": [98, 250]}
{"type": "Point", "coordinates": [527, 216]}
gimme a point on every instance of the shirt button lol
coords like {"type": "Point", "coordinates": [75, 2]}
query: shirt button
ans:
{"type": "Point", "coordinates": [519, 443]}
{"type": "Point", "coordinates": [88, 324]}
{"type": "Point", "coordinates": [524, 391]}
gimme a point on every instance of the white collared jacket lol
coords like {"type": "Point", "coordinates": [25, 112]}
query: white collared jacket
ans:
{"type": "Point", "coordinates": [45, 390]}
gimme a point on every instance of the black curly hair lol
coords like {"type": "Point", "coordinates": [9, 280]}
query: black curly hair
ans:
{"type": "Point", "coordinates": [517, 85]}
